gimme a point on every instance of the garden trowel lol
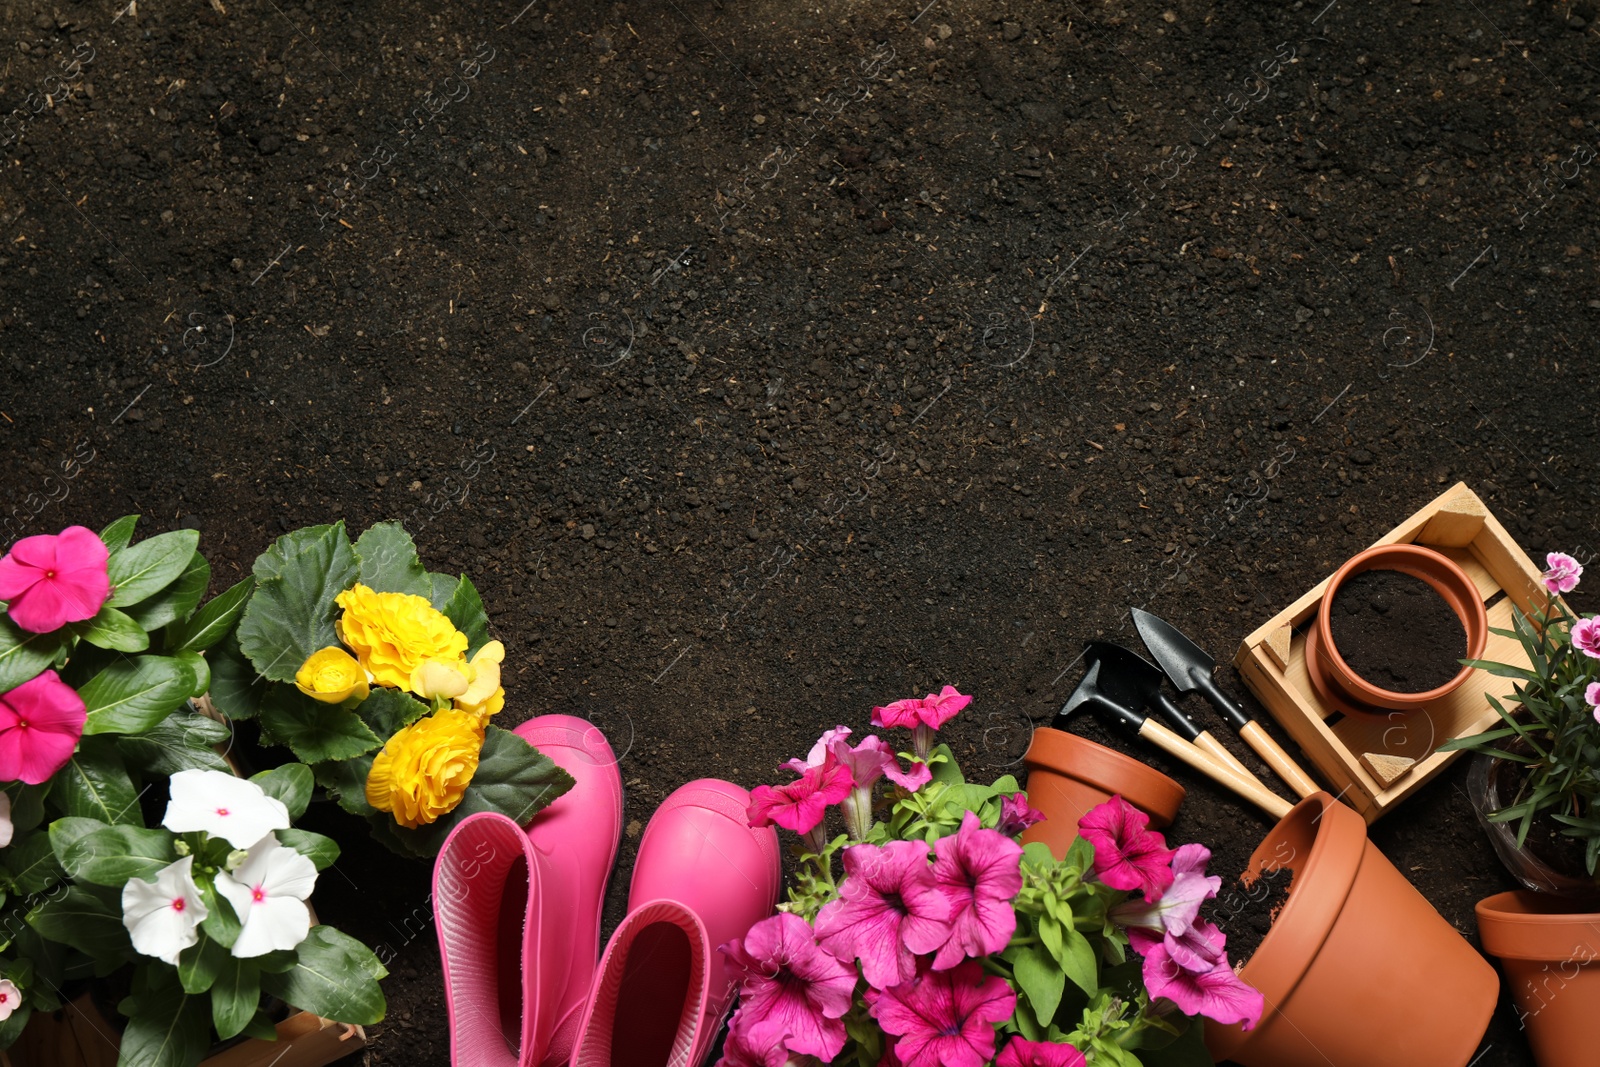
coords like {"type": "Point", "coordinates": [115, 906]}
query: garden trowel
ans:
{"type": "Point", "coordinates": [1189, 669]}
{"type": "Point", "coordinates": [1090, 695]}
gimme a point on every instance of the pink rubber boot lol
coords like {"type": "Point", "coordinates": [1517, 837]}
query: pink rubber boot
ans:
{"type": "Point", "coordinates": [703, 878]}
{"type": "Point", "coordinates": [519, 911]}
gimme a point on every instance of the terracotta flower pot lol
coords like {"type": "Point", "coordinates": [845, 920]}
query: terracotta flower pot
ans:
{"type": "Point", "coordinates": [1548, 954]}
{"type": "Point", "coordinates": [1068, 775]}
{"type": "Point", "coordinates": [1358, 969]}
{"type": "Point", "coordinates": [1341, 686]}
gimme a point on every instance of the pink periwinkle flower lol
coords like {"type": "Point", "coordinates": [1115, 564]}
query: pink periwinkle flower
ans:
{"type": "Point", "coordinates": [1179, 906]}
{"type": "Point", "coordinates": [1562, 573]}
{"type": "Point", "coordinates": [944, 1018]}
{"type": "Point", "coordinates": [801, 804]}
{"type": "Point", "coordinates": [978, 871]}
{"type": "Point", "coordinates": [1021, 1053]}
{"type": "Point", "coordinates": [1217, 993]}
{"type": "Point", "coordinates": [1586, 636]}
{"type": "Point", "coordinates": [1127, 854]}
{"type": "Point", "coordinates": [40, 723]}
{"type": "Point", "coordinates": [922, 715]}
{"type": "Point", "coordinates": [888, 910]}
{"type": "Point", "coordinates": [1592, 695]}
{"type": "Point", "coordinates": [1016, 814]}
{"type": "Point", "coordinates": [50, 580]}
{"type": "Point", "coordinates": [791, 992]}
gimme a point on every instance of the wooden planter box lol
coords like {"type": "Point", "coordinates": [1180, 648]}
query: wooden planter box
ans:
{"type": "Point", "coordinates": [79, 1036]}
{"type": "Point", "coordinates": [1365, 757]}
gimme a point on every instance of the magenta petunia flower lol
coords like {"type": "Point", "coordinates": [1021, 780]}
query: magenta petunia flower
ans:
{"type": "Point", "coordinates": [944, 1018]}
{"type": "Point", "coordinates": [1198, 948]}
{"type": "Point", "coordinates": [1180, 904]}
{"type": "Point", "coordinates": [40, 723]}
{"type": "Point", "coordinates": [1020, 1053]}
{"type": "Point", "coordinates": [800, 805]}
{"type": "Point", "coordinates": [1016, 814]}
{"type": "Point", "coordinates": [739, 1051]}
{"type": "Point", "coordinates": [819, 751]}
{"type": "Point", "coordinates": [888, 910]}
{"type": "Point", "coordinates": [50, 580]}
{"type": "Point", "coordinates": [1592, 695]}
{"type": "Point", "coordinates": [791, 992]}
{"type": "Point", "coordinates": [932, 711]}
{"type": "Point", "coordinates": [1586, 636]}
{"type": "Point", "coordinates": [1127, 854]}
{"type": "Point", "coordinates": [1217, 993]}
{"type": "Point", "coordinates": [978, 872]}
{"type": "Point", "coordinates": [1562, 573]}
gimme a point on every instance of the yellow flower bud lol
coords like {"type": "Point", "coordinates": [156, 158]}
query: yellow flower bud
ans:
{"type": "Point", "coordinates": [436, 679]}
{"type": "Point", "coordinates": [426, 767]}
{"type": "Point", "coordinates": [485, 696]}
{"type": "Point", "coordinates": [332, 676]}
{"type": "Point", "coordinates": [395, 633]}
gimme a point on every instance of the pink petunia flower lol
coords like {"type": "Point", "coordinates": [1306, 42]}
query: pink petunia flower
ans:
{"type": "Point", "coordinates": [922, 716]}
{"type": "Point", "coordinates": [888, 910]}
{"type": "Point", "coordinates": [819, 751]}
{"type": "Point", "coordinates": [1586, 636]}
{"type": "Point", "coordinates": [40, 723]}
{"type": "Point", "coordinates": [944, 1018]}
{"type": "Point", "coordinates": [1217, 994]}
{"type": "Point", "coordinates": [978, 871]}
{"type": "Point", "coordinates": [801, 805]}
{"type": "Point", "coordinates": [1562, 573]}
{"type": "Point", "coordinates": [1180, 904]}
{"type": "Point", "coordinates": [50, 580]}
{"type": "Point", "coordinates": [791, 992]}
{"type": "Point", "coordinates": [1016, 814]}
{"type": "Point", "coordinates": [1592, 695]}
{"type": "Point", "coordinates": [1127, 854]}
{"type": "Point", "coordinates": [1197, 949]}
{"type": "Point", "coordinates": [1020, 1053]}
{"type": "Point", "coordinates": [867, 762]}
{"type": "Point", "coordinates": [739, 1051]}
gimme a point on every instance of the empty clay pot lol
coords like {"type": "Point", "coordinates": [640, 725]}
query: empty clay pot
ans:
{"type": "Point", "coordinates": [1358, 969]}
{"type": "Point", "coordinates": [1548, 953]}
{"type": "Point", "coordinates": [1068, 775]}
{"type": "Point", "coordinates": [1341, 686]}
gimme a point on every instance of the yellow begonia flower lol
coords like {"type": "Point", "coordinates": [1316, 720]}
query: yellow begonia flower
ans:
{"type": "Point", "coordinates": [425, 768]}
{"type": "Point", "coordinates": [332, 676]}
{"type": "Point", "coordinates": [485, 696]}
{"type": "Point", "coordinates": [435, 679]}
{"type": "Point", "coordinates": [395, 633]}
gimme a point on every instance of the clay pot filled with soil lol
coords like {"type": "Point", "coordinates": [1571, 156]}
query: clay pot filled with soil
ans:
{"type": "Point", "coordinates": [1392, 628]}
{"type": "Point", "coordinates": [1068, 775]}
{"type": "Point", "coordinates": [1357, 968]}
{"type": "Point", "coordinates": [1549, 957]}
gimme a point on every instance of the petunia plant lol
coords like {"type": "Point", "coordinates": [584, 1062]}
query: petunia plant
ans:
{"type": "Point", "coordinates": [383, 678]}
{"type": "Point", "coordinates": [947, 943]}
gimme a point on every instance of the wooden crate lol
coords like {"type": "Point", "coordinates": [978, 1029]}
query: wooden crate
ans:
{"type": "Point", "coordinates": [79, 1036]}
{"type": "Point", "coordinates": [1272, 660]}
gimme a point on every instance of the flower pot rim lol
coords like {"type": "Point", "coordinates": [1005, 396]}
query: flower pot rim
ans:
{"type": "Point", "coordinates": [1521, 924]}
{"type": "Point", "coordinates": [1421, 562]}
{"type": "Point", "coordinates": [1059, 752]}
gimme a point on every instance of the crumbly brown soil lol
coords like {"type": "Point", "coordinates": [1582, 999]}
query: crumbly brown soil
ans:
{"type": "Point", "coordinates": [1397, 632]}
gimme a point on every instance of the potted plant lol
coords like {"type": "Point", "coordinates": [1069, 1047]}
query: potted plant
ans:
{"type": "Point", "coordinates": [947, 943]}
{"type": "Point", "coordinates": [383, 678]}
{"type": "Point", "coordinates": [190, 917]}
{"type": "Point", "coordinates": [1535, 785]}
{"type": "Point", "coordinates": [1069, 775]}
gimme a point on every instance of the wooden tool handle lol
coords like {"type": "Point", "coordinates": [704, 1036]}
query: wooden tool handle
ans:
{"type": "Point", "coordinates": [1278, 759]}
{"type": "Point", "coordinates": [1213, 768]}
{"type": "Point", "coordinates": [1219, 750]}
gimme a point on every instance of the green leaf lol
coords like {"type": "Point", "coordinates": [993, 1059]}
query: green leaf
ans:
{"type": "Point", "coordinates": [112, 629]}
{"type": "Point", "coordinates": [177, 601]}
{"type": "Point", "coordinates": [387, 711]}
{"type": "Point", "coordinates": [12, 1028]}
{"type": "Point", "coordinates": [32, 864]}
{"type": "Point", "coordinates": [1036, 972]}
{"type": "Point", "coordinates": [84, 921]}
{"type": "Point", "coordinates": [1076, 957]}
{"type": "Point", "coordinates": [27, 804]}
{"type": "Point", "coordinates": [440, 589]}
{"type": "Point", "coordinates": [139, 571]}
{"type": "Point", "coordinates": [172, 1028]}
{"type": "Point", "coordinates": [131, 696]}
{"type": "Point", "coordinates": [346, 782]}
{"type": "Point", "coordinates": [235, 995]}
{"type": "Point", "coordinates": [1188, 1050]}
{"type": "Point", "coordinates": [117, 854]}
{"type": "Point", "coordinates": [64, 831]}
{"type": "Point", "coordinates": [315, 732]}
{"type": "Point", "coordinates": [465, 609]}
{"type": "Point", "coordinates": [260, 1027]}
{"type": "Point", "coordinates": [117, 535]}
{"type": "Point", "coordinates": [95, 785]}
{"type": "Point", "coordinates": [237, 689]}
{"type": "Point", "coordinates": [180, 742]}
{"type": "Point", "coordinates": [334, 976]}
{"type": "Point", "coordinates": [208, 625]}
{"type": "Point", "coordinates": [389, 561]}
{"type": "Point", "coordinates": [292, 783]}
{"type": "Point", "coordinates": [291, 614]}
{"type": "Point", "coordinates": [221, 924]}
{"type": "Point", "coordinates": [23, 655]}
{"type": "Point", "coordinates": [199, 668]}
{"type": "Point", "coordinates": [513, 778]}
{"type": "Point", "coordinates": [200, 963]}
{"type": "Point", "coordinates": [322, 851]}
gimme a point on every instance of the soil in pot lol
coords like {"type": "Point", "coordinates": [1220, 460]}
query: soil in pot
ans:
{"type": "Point", "coordinates": [1397, 632]}
{"type": "Point", "coordinates": [1246, 912]}
{"type": "Point", "coordinates": [1563, 854]}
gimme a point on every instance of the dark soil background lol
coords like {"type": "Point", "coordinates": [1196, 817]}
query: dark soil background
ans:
{"type": "Point", "coordinates": [764, 362]}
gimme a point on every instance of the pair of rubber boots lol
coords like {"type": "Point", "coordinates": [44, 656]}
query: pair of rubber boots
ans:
{"type": "Point", "coordinates": [519, 911]}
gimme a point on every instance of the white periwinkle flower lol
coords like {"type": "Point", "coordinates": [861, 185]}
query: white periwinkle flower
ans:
{"type": "Point", "coordinates": [268, 892]}
{"type": "Point", "coordinates": [235, 809]}
{"type": "Point", "coordinates": [161, 916]}
{"type": "Point", "coordinates": [5, 839]}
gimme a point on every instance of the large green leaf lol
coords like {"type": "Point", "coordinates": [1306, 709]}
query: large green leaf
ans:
{"type": "Point", "coordinates": [389, 710]}
{"type": "Point", "coordinates": [346, 782]}
{"type": "Point", "coordinates": [95, 784]}
{"type": "Point", "coordinates": [112, 629]}
{"type": "Point", "coordinates": [171, 1028]}
{"type": "Point", "coordinates": [465, 609]}
{"type": "Point", "coordinates": [27, 804]}
{"type": "Point", "coordinates": [200, 963]}
{"type": "Point", "coordinates": [291, 783]}
{"type": "Point", "coordinates": [117, 534]}
{"type": "Point", "coordinates": [24, 654]}
{"type": "Point", "coordinates": [220, 923]}
{"type": "Point", "coordinates": [199, 670]}
{"type": "Point", "coordinates": [64, 831]}
{"type": "Point", "coordinates": [31, 863]}
{"type": "Point", "coordinates": [131, 696]}
{"type": "Point", "coordinates": [84, 921]}
{"type": "Point", "coordinates": [440, 588]}
{"type": "Point", "coordinates": [389, 561]}
{"type": "Point", "coordinates": [237, 688]}
{"type": "Point", "coordinates": [321, 851]}
{"type": "Point", "coordinates": [334, 976]}
{"type": "Point", "coordinates": [291, 614]}
{"type": "Point", "coordinates": [1041, 980]}
{"type": "Point", "coordinates": [180, 742]}
{"type": "Point", "coordinates": [234, 996]}
{"type": "Point", "coordinates": [112, 856]}
{"type": "Point", "coordinates": [314, 731]}
{"type": "Point", "coordinates": [208, 625]}
{"type": "Point", "coordinates": [176, 601]}
{"type": "Point", "coordinates": [139, 571]}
